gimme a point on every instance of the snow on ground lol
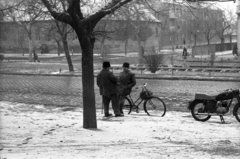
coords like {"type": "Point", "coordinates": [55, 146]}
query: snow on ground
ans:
{"type": "Point", "coordinates": [35, 131]}
{"type": "Point", "coordinates": [218, 54]}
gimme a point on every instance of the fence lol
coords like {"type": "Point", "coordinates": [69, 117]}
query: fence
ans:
{"type": "Point", "coordinates": [211, 48]}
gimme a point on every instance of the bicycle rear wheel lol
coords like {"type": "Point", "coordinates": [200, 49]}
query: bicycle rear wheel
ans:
{"type": "Point", "coordinates": [127, 106]}
{"type": "Point", "coordinates": [155, 106]}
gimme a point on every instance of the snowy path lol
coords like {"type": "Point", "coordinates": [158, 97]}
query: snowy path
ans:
{"type": "Point", "coordinates": [33, 131]}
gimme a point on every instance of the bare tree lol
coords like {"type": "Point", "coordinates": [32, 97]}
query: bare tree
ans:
{"type": "Point", "coordinates": [226, 25]}
{"type": "Point", "coordinates": [221, 27]}
{"type": "Point", "coordinates": [53, 32]}
{"type": "Point", "coordinates": [84, 27]}
{"type": "Point", "coordinates": [126, 31]}
{"type": "Point", "coordinates": [103, 34]}
{"type": "Point", "coordinates": [208, 21]}
{"type": "Point", "coordinates": [194, 28]}
{"type": "Point", "coordinates": [63, 30]}
{"type": "Point", "coordinates": [140, 24]}
{"type": "Point", "coordinates": [232, 20]}
{"type": "Point", "coordinates": [26, 15]}
{"type": "Point", "coordinates": [124, 34]}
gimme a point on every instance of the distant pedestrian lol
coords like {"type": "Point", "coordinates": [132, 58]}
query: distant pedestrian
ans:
{"type": "Point", "coordinates": [35, 56]}
{"type": "Point", "coordinates": [107, 84]}
{"type": "Point", "coordinates": [126, 82]}
{"type": "Point", "coordinates": [184, 54]}
{"type": "Point", "coordinates": [235, 50]}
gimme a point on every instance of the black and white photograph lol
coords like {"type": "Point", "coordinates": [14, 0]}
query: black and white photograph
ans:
{"type": "Point", "coordinates": [119, 79]}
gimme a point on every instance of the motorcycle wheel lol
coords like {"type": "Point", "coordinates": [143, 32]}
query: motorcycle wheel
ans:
{"type": "Point", "coordinates": [198, 107]}
{"type": "Point", "coordinates": [237, 113]}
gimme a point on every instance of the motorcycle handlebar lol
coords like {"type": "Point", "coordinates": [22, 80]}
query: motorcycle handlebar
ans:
{"type": "Point", "coordinates": [233, 90]}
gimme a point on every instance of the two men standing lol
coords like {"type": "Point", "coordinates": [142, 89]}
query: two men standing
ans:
{"type": "Point", "coordinates": [115, 89]}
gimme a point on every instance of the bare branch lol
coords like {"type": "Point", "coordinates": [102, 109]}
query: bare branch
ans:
{"type": "Point", "coordinates": [110, 8]}
{"type": "Point", "coordinates": [74, 9]}
{"type": "Point", "coordinates": [63, 17]}
{"type": "Point", "coordinates": [4, 8]}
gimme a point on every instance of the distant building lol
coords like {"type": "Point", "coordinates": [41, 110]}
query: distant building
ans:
{"type": "Point", "coordinates": [178, 18]}
{"type": "Point", "coordinates": [13, 38]}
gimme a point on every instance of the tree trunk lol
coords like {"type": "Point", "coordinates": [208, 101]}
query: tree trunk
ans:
{"type": "Point", "coordinates": [222, 41]}
{"type": "Point", "coordinates": [126, 45]}
{"type": "Point", "coordinates": [68, 57]}
{"type": "Point", "coordinates": [89, 109]}
{"type": "Point", "coordinates": [230, 39]}
{"type": "Point", "coordinates": [21, 45]}
{"type": "Point", "coordinates": [30, 45]}
{"type": "Point", "coordinates": [140, 51]}
{"type": "Point", "coordinates": [59, 47]}
{"type": "Point", "coordinates": [103, 55]}
{"type": "Point", "coordinates": [195, 39]}
{"type": "Point", "coordinates": [127, 36]}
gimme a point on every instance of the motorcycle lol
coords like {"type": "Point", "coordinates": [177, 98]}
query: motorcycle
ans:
{"type": "Point", "coordinates": [205, 106]}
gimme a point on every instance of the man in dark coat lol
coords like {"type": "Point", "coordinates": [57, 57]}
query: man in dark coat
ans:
{"type": "Point", "coordinates": [235, 50]}
{"type": "Point", "coordinates": [185, 54]}
{"type": "Point", "coordinates": [126, 82]}
{"type": "Point", "coordinates": [35, 56]}
{"type": "Point", "coordinates": [107, 84]}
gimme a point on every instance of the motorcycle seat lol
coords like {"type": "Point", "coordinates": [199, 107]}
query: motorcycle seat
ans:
{"type": "Point", "coordinates": [204, 97]}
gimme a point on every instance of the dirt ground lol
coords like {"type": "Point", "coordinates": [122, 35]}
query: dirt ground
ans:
{"type": "Point", "coordinates": [34, 131]}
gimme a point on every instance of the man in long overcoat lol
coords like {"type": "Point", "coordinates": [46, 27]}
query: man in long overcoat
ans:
{"type": "Point", "coordinates": [107, 84]}
{"type": "Point", "coordinates": [126, 82]}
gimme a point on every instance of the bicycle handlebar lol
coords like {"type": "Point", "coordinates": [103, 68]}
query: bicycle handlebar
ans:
{"type": "Point", "coordinates": [143, 86]}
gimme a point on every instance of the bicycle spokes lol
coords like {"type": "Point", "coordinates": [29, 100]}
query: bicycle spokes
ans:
{"type": "Point", "coordinates": [153, 105]}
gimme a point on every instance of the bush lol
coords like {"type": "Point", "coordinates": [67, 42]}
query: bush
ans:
{"type": "Point", "coordinates": [1, 57]}
{"type": "Point", "coordinates": [153, 60]}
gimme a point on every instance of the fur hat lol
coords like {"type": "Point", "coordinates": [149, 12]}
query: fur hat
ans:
{"type": "Point", "coordinates": [106, 64]}
{"type": "Point", "coordinates": [125, 64]}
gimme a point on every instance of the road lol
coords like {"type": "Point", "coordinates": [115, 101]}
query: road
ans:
{"type": "Point", "coordinates": [66, 91]}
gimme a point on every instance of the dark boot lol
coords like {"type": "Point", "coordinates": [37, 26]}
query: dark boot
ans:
{"type": "Point", "coordinates": [121, 109]}
{"type": "Point", "coordinates": [107, 115]}
{"type": "Point", "coordinates": [119, 115]}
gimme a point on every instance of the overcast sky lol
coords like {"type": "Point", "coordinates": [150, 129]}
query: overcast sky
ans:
{"type": "Point", "coordinates": [228, 5]}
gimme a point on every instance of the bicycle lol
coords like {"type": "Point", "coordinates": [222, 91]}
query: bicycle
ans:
{"type": "Point", "coordinates": [153, 105]}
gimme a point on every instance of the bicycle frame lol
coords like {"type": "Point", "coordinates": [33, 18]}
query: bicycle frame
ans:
{"type": "Point", "coordinates": [136, 101]}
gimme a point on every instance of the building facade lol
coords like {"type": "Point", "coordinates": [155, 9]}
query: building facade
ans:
{"type": "Point", "coordinates": [182, 25]}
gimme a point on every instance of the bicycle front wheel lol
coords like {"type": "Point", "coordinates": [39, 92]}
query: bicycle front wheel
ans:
{"type": "Point", "coordinates": [155, 106]}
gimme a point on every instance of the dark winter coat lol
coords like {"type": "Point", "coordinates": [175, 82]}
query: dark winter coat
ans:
{"type": "Point", "coordinates": [126, 82]}
{"type": "Point", "coordinates": [107, 82]}
{"type": "Point", "coordinates": [185, 52]}
{"type": "Point", "coordinates": [235, 50]}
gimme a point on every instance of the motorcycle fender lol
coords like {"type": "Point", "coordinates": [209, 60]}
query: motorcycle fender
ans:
{"type": "Point", "coordinates": [191, 104]}
{"type": "Point", "coordinates": [235, 108]}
